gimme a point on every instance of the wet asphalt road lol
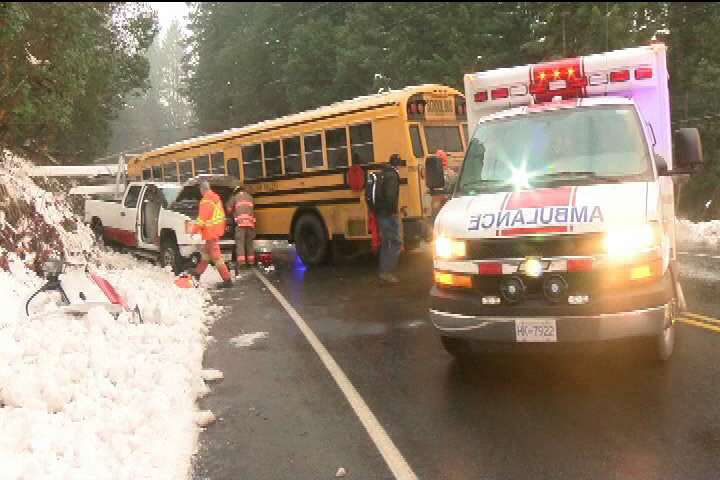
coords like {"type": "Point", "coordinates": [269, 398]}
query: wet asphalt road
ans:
{"type": "Point", "coordinates": [281, 415]}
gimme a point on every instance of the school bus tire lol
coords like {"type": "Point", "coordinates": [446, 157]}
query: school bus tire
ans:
{"type": "Point", "coordinates": [311, 239]}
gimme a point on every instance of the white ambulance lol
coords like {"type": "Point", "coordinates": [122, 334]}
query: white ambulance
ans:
{"type": "Point", "coordinates": [561, 227]}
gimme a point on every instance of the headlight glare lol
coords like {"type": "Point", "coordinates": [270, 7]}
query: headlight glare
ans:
{"type": "Point", "coordinates": [631, 239]}
{"type": "Point", "coordinates": [448, 248]}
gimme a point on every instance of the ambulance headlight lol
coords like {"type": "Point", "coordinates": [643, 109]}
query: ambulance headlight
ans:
{"type": "Point", "coordinates": [632, 239]}
{"type": "Point", "coordinates": [449, 248]}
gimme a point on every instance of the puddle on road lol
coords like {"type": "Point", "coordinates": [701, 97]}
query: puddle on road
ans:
{"type": "Point", "coordinates": [247, 339]}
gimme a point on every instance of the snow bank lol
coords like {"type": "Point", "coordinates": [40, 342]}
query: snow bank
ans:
{"type": "Point", "coordinates": [703, 234]}
{"type": "Point", "coordinates": [92, 396]}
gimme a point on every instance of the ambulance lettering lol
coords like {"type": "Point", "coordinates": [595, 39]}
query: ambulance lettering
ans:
{"type": "Point", "coordinates": [530, 217]}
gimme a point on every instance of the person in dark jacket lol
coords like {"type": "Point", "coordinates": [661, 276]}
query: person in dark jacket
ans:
{"type": "Point", "coordinates": [388, 222]}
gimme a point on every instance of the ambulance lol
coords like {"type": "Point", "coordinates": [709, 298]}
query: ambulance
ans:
{"type": "Point", "coordinates": [561, 226]}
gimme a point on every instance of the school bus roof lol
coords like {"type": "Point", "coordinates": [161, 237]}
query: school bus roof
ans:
{"type": "Point", "coordinates": [391, 97]}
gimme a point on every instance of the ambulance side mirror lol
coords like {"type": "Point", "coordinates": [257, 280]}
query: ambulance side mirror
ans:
{"type": "Point", "coordinates": [434, 173]}
{"type": "Point", "coordinates": [687, 151]}
{"type": "Point", "coordinates": [661, 165]}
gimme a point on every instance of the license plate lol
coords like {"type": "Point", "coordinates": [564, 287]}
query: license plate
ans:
{"type": "Point", "coordinates": [535, 330]}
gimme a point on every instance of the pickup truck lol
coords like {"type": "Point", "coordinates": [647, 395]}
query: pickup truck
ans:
{"type": "Point", "coordinates": [152, 220]}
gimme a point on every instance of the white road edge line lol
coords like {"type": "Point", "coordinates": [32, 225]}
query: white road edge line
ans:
{"type": "Point", "coordinates": [379, 436]}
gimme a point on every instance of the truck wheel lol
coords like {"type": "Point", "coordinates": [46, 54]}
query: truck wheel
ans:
{"type": "Point", "coordinates": [311, 240]}
{"type": "Point", "coordinates": [170, 255]}
{"type": "Point", "coordinates": [99, 235]}
{"type": "Point", "coordinates": [457, 347]}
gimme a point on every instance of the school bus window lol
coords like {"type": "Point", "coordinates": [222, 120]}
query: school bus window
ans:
{"type": "Point", "coordinates": [273, 161]}
{"type": "Point", "coordinates": [147, 174]}
{"type": "Point", "coordinates": [313, 150]}
{"type": "Point", "coordinates": [252, 161]}
{"type": "Point", "coordinates": [336, 146]}
{"type": "Point", "coordinates": [202, 165]}
{"type": "Point", "coordinates": [157, 172]}
{"type": "Point", "coordinates": [217, 162]}
{"type": "Point", "coordinates": [465, 131]}
{"type": "Point", "coordinates": [416, 141]}
{"type": "Point", "coordinates": [361, 141]}
{"type": "Point", "coordinates": [185, 168]}
{"type": "Point", "coordinates": [170, 172]}
{"type": "Point", "coordinates": [443, 138]}
{"type": "Point", "coordinates": [233, 168]}
{"type": "Point", "coordinates": [291, 152]}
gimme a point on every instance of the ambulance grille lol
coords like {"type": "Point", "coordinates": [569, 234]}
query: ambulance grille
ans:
{"type": "Point", "coordinates": [537, 245]}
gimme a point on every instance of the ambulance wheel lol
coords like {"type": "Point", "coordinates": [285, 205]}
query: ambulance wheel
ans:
{"type": "Point", "coordinates": [170, 255]}
{"type": "Point", "coordinates": [659, 348]}
{"type": "Point", "coordinates": [311, 240]}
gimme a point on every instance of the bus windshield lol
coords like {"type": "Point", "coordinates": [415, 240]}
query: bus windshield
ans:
{"type": "Point", "coordinates": [601, 144]}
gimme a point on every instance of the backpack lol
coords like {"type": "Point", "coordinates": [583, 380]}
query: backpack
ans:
{"type": "Point", "coordinates": [376, 191]}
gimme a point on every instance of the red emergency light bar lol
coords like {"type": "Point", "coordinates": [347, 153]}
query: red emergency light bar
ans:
{"type": "Point", "coordinates": [561, 78]}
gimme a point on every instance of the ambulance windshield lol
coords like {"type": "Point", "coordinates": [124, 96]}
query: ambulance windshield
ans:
{"type": "Point", "coordinates": [578, 146]}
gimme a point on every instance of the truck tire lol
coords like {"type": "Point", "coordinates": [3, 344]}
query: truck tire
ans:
{"type": "Point", "coordinates": [98, 231]}
{"type": "Point", "coordinates": [311, 239]}
{"type": "Point", "coordinates": [170, 255]}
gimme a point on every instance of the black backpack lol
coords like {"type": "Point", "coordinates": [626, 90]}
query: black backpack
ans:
{"type": "Point", "coordinates": [376, 191]}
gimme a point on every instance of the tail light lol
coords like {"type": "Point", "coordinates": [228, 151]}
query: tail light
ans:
{"type": "Point", "coordinates": [481, 96]}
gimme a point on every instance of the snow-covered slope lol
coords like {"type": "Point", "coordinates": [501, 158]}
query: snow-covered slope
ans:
{"type": "Point", "coordinates": [92, 396]}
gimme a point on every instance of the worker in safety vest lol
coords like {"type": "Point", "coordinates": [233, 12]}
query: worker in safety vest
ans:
{"type": "Point", "coordinates": [211, 222]}
{"type": "Point", "coordinates": [241, 205]}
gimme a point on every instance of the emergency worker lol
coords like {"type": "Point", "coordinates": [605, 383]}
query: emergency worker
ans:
{"type": "Point", "coordinates": [211, 222]}
{"type": "Point", "coordinates": [242, 206]}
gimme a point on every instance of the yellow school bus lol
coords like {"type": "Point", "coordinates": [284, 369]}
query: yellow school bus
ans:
{"type": "Point", "coordinates": [296, 167]}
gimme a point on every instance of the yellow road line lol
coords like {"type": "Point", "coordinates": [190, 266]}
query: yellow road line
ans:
{"type": "Point", "coordinates": [697, 316]}
{"type": "Point", "coordinates": [700, 324]}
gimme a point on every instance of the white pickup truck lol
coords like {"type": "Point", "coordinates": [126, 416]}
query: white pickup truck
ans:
{"type": "Point", "coordinates": [151, 219]}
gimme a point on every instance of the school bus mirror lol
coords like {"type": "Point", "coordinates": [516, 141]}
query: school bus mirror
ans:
{"type": "Point", "coordinates": [434, 173]}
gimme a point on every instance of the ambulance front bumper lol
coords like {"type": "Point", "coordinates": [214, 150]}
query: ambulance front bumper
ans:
{"type": "Point", "coordinates": [628, 313]}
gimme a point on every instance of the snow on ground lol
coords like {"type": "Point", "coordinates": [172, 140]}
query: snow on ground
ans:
{"type": "Point", "coordinates": [92, 396]}
{"type": "Point", "coordinates": [247, 339]}
{"type": "Point", "coordinates": [703, 234]}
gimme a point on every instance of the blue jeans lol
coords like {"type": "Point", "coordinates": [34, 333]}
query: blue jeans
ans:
{"type": "Point", "coordinates": [390, 242]}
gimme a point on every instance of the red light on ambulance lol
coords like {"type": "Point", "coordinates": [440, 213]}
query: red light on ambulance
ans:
{"type": "Point", "coordinates": [490, 268]}
{"type": "Point", "coordinates": [643, 73]}
{"type": "Point", "coordinates": [620, 76]}
{"type": "Point", "coordinates": [500, 93]}
{"type": "Point", "coordinates": [577, 82]}
{"type": "Point", "coordinates": [536, 88]}
{"type": "Point", "coordinates": [481, 96]}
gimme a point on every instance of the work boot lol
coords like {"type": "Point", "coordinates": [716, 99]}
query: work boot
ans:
{"type": "Point", "coordinates": [237, 269]}
{"type": "Point", "coordinates": [226, 284]}
{"type": "Point", "coordinates": [389, 278]}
